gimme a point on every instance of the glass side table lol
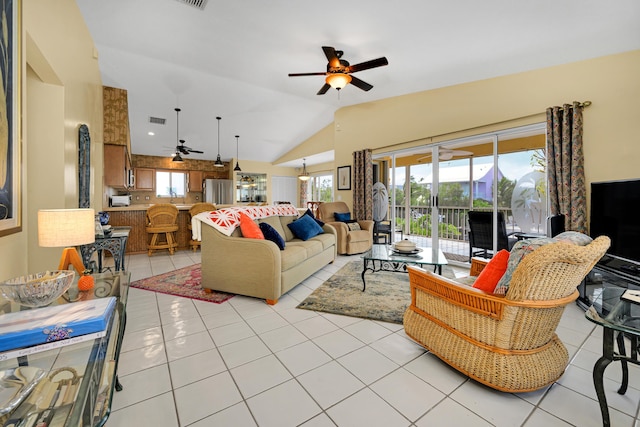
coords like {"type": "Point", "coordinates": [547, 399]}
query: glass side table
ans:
{"type": "Point", "coordinates": [88, 369]}
{"type": "Point", "coordinates": [619, 319]}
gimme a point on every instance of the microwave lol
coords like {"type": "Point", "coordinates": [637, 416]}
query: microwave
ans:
{"type": "Point", "coordinates": [120, 201]}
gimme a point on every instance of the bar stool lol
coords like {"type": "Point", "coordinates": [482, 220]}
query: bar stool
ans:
{"type": "Point", "coordinates": [193, 211]}
{"type": "Point", "coordinates": [162, 224]}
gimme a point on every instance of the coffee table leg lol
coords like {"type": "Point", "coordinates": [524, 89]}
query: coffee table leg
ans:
{"type": "Point", "coordinates": [598, 373]}
{"type": "Point", "coordinates": [364, 270]}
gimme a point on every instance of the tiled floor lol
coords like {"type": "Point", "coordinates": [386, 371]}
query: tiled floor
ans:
{"type": "Point", "coordinates": [244, 363]}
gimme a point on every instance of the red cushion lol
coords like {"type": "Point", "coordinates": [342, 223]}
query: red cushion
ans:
{"type": "Point", "coordinates": [492, 272]}
{"type": "Point", "coordinates": [249, 228]}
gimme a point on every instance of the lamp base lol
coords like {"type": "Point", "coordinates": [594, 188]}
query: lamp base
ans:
{"type": "Point", "coordinates": [70, 256]}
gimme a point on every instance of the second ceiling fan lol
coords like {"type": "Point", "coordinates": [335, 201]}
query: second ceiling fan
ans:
{"type": "Point", "coordinates": [339, 71]}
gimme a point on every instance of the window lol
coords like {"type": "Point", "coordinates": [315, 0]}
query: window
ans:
{"type": "Point", "coordinates": [321, 188]}
{"type": "Point", "coordinates": [170, 184]}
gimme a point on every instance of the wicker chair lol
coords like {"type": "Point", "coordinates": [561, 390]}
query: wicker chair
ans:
{"type": "Point", "coordinates": [506, 342]}
{"type": "Point", "coordinates": [161, 224]}
{"type": "Point", "coordinates": [193, 211]}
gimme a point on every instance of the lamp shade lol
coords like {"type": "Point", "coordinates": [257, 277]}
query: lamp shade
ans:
{"type": "Point", "coordinates": [65, 227]}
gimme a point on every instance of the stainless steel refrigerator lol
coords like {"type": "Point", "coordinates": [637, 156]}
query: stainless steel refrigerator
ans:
{"type": "Point", "coordinates": [218, 191]}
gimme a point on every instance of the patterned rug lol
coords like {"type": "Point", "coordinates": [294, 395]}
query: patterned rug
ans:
{"type": "Point", "coordinates": [386, 298]}
{"type": "Point", "coordinates": [184, 282]}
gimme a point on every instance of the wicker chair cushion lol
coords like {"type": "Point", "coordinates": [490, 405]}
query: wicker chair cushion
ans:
{"type": "Point", "coordinates": [521, 249]}
{"type": "Point", "coordinates": [493, 272]}
{"type": "Point", "coordinates": [249, 228]}
{"type": "Point", "coordinates": [574, 237]}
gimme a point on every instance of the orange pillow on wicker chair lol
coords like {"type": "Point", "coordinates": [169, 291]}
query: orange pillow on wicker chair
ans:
{"type": "Point", "coordinates": [492, 272]}
{"type": "Point", "coordinates": [249, 228]}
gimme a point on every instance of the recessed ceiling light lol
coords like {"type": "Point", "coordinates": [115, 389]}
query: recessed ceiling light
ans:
{"type": "Point", "coordinates": [150, 133]}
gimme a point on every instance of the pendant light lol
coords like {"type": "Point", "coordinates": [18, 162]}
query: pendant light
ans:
{"type": "Point", "coordinates": [237, 168]}
{"type": "Point", "coordinates": [304, 176]}
{"type": "Point", "coordinates": [218, 163]}
{"type": "Point", "coordinates": [177, 157]}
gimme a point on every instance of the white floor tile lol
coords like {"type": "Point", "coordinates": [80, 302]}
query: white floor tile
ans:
{"type": "Point", "coordinates": [244, 351]}
{"type": "Point", "coordinates": [398, 348]}
{"type": "Point", "coordinates": [315, 326]}
{"type": "Point", "coordinates": [366, 409]}
{"type": "Point", "coordinates": [141, 358]}
{"type": "Point", "coordinates": [206, 397]}
{"type": "Point", "coordinates": [194, 368]}
{"type": "Point", "coordinates": [257, 376]}
{"type": "Point", "coordinates": [330, 383]}
{"type": "Point", "coordinates": [227, 334]}
{"type": "Point", "coordinates": [182, 328]}
{"type": "Point", "coordinates": [237, 416]}
{"type": "Point", "coordinates": [367, 364]}
{"type": "Point", "coordinates": [286, 405]}
{"type": "Point", "coordinates": [367, 331]}
{"type": "Point", "coordinates": [143, 338]}
{"type": "Point", "coordinates": [303, 357]}
{"type": "Point", "coordinates": [338, 343]}
{"type": "Point", "coordinates": [140, 386]}
{"type": "Point", "coordinates": [282, 338]}
{"type": "Point", "coordinates": [450, 413]}
{"type": "Point", "coordinates": [188, 345]}
{"type": "Point", "coordinates": [437, 373]}
{"type": "Point", "coordinates": [266, 322]}
{"type": "Point", "coordinates": [158, 411]}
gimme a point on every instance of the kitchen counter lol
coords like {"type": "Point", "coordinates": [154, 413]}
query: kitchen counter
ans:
{"type": "Point", "coordinates": [141, 207]}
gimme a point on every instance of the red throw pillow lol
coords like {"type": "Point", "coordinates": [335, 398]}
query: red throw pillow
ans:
{"type": "Point", "coordinates": [492, 272]}
{"type": "Point", "coordinates": [249, 228]}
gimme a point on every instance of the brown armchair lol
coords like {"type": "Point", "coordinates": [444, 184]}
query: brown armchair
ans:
{"type": "Point", "coordinates": [506, 342]}
{"type": "Point", "coordinates": [349, 241]}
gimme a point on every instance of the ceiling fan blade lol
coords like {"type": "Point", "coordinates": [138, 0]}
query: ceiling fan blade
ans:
{"type": "Point", "coordinates": [324, 89]}
{"type": "Point", "coordinates": [307, 74]}
{"type": "Point", "coordinates": [331, 55]}
{"type": "Point", "coordinates": [196, 151]}
{"type": "Point", "coordinates": [360, 84]}
{"type": "Point", "coordinates": [368, 64]}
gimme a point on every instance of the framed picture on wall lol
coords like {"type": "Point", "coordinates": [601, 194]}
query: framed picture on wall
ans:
{"type": "Point", "coordinates": [344, 178]}
{"type": "Point", "coordinates": [10, 129]}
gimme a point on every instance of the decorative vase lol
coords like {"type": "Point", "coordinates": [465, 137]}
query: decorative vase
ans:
{"type": "Point", "coordinates": [104, 217]}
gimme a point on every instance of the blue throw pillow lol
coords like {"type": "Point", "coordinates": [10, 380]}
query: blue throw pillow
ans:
{"type": "Point", "coordinates": [342, 217]}
{"type": "Point", "coordinates": [272, 234]}
{"type": "Point", "coordinates": [308, 212]}
{"type": "Point", "coordinates": [305, 227]}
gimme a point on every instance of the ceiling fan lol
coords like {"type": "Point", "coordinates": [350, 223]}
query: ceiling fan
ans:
{"type": "Point", "coordinates": [447, 154]}
{"type": "Point", "coordinates": [338, 73]}
{"type": "Point", "coordinates": [181, 148]}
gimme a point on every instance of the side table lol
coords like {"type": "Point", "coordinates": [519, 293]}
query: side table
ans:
{"type": "Point", "coordinates": [115, 243]}
{"type": "Point", "coordinates": [619, 319]}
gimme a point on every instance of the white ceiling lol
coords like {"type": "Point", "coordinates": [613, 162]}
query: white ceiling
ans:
{"type": "Point", "coordinates": [232, 59]}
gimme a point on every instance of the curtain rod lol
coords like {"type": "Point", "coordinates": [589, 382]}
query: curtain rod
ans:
{"type": "Point", "coordinates": [584, 104]}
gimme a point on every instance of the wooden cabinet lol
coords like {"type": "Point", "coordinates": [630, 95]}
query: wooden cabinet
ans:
{"type": "Point", "coordinates": [117, 166]}
{"type": "Point", "coordinates": [195, 181]}
{"type": "Point", "coordinates": [145, 179]}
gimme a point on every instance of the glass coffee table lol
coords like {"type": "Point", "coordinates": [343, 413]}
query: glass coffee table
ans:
{"type": "Point", "coordinates": [619, 319]}
{"type": "Point", "coordinates": [384, 258]}
{"type": "Point", "coordinates": [83, 375]}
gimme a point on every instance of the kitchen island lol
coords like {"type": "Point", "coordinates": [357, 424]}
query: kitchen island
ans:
{"type": "Point", "coordinates": [135, 216]}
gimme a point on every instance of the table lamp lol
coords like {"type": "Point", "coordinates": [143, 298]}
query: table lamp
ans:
{"type": "Point", "coordinates": [66, 228]}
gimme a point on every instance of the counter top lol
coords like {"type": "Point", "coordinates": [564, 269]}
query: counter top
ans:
{"type": "Point", "coordinates": [141, 207]}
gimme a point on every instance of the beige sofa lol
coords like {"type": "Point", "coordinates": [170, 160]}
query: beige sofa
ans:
{"type": "Point", "coordinates": [258, 268]}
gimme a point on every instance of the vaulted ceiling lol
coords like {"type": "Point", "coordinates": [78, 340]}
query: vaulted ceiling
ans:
{"type": "Point", "coordinates": [231, 59]}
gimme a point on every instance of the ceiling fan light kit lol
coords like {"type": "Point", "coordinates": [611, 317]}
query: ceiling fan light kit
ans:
{"type": "Point", "coordinates": [177, 158]}
{"type": "Point", "coordinates": [304, 175]}
{"type": "Point", "coordinates": [338, 80]}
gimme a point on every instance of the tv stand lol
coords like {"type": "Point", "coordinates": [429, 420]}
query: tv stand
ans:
{"type": "Point", "coordinates": [610, 271]}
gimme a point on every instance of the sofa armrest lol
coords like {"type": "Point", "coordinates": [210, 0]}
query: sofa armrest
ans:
{"type": "Point", "coordinates": [366, 224]}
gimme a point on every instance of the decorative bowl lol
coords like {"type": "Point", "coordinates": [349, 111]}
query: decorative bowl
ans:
{"type": "Point", "coordinates": [405, 245]}
{"type": "Point", "coordinates": [39, 289]}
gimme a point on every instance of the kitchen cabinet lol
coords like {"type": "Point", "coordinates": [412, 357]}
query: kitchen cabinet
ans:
{"type": "Point", "coordinates": [145, 179]}
{"type": "Point", "coordinates": [195, 181]}
{"type": "Point", "coordinates": [117, 166]}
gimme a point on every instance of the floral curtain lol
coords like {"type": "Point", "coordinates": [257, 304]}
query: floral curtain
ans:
{"type": "Point", "coordinates": [565, 164]}
{"type": "Point", "coordinates": [363, 184]}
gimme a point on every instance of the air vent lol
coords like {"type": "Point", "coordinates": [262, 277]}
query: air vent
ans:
{"type": "Point", "coordinates": [157, 120]}
{"type": "Point", "coordinates": [198, 4]}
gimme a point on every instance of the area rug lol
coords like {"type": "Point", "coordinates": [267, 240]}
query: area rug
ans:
{"type": "Point", "coordinates": [386, 298]}
{"type": "Point", "coordinates": [184, 282]}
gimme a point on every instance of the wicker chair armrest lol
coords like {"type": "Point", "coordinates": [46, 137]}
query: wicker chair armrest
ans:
{"type": "Point", "coordinates": [468, 297]}
{"type": "Point", "coordinates": [477, 265]}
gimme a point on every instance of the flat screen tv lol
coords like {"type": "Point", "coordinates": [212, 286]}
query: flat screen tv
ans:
{"type": "Point", "coordinates": [615, 212]}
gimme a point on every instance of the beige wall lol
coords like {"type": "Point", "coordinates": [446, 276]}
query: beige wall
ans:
{"type": "Point", "coordinates": [611, 125]}
{"type": "Point", "coordinates": [62, 89]}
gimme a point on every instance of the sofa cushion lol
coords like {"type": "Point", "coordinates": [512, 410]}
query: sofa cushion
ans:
{"type": "Point", "coordinates": [342, 217]}
{"type": "Point", "coordinates": [492, 272]}
{"type": "Point", "coordinates": [305, 227]}
{"type": "Point", "coordinates": [249, 228]}
{"type": "Point", "coordinates": [311, 246]}
{"type": "Point", "coordinates": [284, 221]}
{"type": "Point", "coordinates": [292, 256]}
{"type": "Point", "coordinates": [274, 221]}
{"type": "Point", "coordinates": [309, 213]}
{"type": "Point", "coordinates": [327, 239]}
{"type": "Point", "coordinates": [270, 233]}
